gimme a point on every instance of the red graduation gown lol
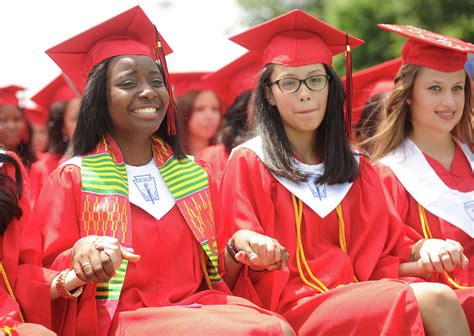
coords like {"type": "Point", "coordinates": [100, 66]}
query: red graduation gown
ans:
{"type": "Point", "coordinates": [255, 200]}
{"type": "Point", "coordinates": [41, 169]}
{"type": "Point", "coordinates": [10, 254]}
{"type": "Point", "coordinates": [217, 158]}
{"type": "Point", "coordinates": [460, 178]}
{"type": "Point", "coordinates": [162, 293]}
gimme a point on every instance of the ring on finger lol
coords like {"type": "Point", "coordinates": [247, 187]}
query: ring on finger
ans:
{"type": "Point", "coordinates": [86, 264]}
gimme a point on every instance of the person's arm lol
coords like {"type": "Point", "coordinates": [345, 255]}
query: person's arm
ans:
{"type": "Point", "coordinates": [259, 252]}
{"type": "Point", "coordinates": [434, 255]}
{"type": "Point", "coordinates": [71, 284]}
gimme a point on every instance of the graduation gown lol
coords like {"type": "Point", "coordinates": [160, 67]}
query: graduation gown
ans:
{"type": "Point", "coordinates": [10, 254]}
{"type": "Point", "coordinates": [460, 178]}
{"type": "Point", "coordinates": [216, 156]}
{"type": "Point", "coordinates": [41, 169]}
{"type": "Point", "coordinates": [162, 293]}
{"type": "Point", "coordinates": [256, 200]}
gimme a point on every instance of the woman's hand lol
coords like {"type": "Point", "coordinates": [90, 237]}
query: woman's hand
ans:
{"type": "Point", "coordinates": [258, 251]}
{"type": "Point", "coordinates": [96, 258]}
{"type": "Point", "coordinates": [438, 255]}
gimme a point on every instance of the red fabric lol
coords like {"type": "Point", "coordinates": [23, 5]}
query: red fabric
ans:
{"type": "Point", "coordinates": [10, 254]}
{"type": "Point", "coordinates": [41, 169]}
{"type": "Point", "coordinates": [294, 39]}
{"type": "Point", "coordinates": [460, 178]}
{"type": "Point", "coordinates": [154, 282]}
{"type": "Point", "coordinates": [129, 33]}
{"type": "Point", "coordinates": [8, 95]}
{"type": "Point", "coordinates": [236, 77]}
{"type": "Point", "coordinates": [216, 156]}
{"type": "Point", "coordinates": [431, 50]}
{"type": "Point", "coordinates": [255, 200]}
{"type": "Point", "coordinates": [58, 90]}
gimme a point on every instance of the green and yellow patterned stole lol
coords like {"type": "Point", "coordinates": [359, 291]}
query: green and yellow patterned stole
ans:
{"type": "Point", "coordinates": [106, 211]}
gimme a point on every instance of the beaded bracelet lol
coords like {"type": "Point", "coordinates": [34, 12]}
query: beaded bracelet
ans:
{"type": "Point", "coordinates": [62, 290]}
{"type": "Point", "coordinates": [231, 250]}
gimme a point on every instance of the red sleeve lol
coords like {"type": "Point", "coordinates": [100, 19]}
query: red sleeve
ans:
{"type": "Point", "coordinates": [11, 238]}
{"type": "Point", "coordinates": [246, 197]}
{"type": "Point", "coordinates": [396, 247]}
{"type": "Point", "coordinates": [50, 234]}
{"type": "Point", "coordinates": [399, 198]}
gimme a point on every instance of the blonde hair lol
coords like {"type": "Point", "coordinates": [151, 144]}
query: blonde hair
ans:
{"type": "Point", "coordinates": [396, 124]}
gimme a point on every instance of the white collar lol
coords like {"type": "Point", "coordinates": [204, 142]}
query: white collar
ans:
{"type": "Point", "coordinates": [418, 177]}
{"type": "Point", "coordinates": [322, 199]}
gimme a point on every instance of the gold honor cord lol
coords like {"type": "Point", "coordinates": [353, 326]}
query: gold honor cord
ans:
{"type": "Point", "coordinates": [318, 285]}
{"type": "Point", "coordinates": [427, 234]}
{"type": "Point", "coordinates": [9, 289]}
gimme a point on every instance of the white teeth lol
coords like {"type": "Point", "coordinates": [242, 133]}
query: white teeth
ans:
{"type": "Point", "coordinates": [445, 114]}
{"type": "Point", "coordinates": [147, 110]}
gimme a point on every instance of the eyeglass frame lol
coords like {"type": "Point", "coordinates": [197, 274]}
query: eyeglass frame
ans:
{"type": "Point", "coordinates": [277, 82]}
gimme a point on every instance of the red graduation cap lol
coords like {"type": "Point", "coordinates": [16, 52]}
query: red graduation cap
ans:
{"type": "Point", "coordinates": [370, 82]}
{"type": "Point", "coordinates": [237, 77]}
{"type": "Point", "coordinates": [56, 91]}
{"type": "Point", "coordinates": [294, 39]}
{"type": "Point", "coordinates": [36, 115]}
{"type": "Point", "coordinates": [8, 95]}
{"type": "Point", "coordinates": [431, 50]}
{"type": "Point", "coordinates": [129, 33]}
{"type": "Point", "coordinates": [183, 82]}
{"type": "Point", "coordinates": [297, 38]}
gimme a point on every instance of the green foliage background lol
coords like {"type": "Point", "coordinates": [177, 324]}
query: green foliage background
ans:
{"type": "Point", "coordinates": [360, 18]}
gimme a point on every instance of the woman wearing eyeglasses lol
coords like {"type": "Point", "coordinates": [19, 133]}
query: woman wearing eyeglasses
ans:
{"type": "Point", "coordinates": [300, 183]}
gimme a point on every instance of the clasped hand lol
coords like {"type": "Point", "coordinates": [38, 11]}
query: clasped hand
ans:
{"type": "Point", "coordinates": [95, 258]}
{"type": "Point", "coordinates": [437, 255]}
{"type": "Point", "coordinates": [259, 252]}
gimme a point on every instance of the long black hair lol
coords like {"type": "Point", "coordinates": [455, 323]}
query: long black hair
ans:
{"type": "Point", "coordinates": [331, 144]}
{"type": "Point", "coordinates": [235, 129]}
{"type": "Point", "coordinates": [94, 121]}
{"type": "Point", "coordinates": [10, 193]}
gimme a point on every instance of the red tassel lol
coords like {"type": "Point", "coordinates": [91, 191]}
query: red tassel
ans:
{"type": "Point", "coordinates": [171, 114]}
{"type": "Point", "coordinates": [348, 117]}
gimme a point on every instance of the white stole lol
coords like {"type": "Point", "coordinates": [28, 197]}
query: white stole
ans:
{"type": "Point", "coordinates": [420, 180]}
{"type": "Point", "coordinates": [322, 199]}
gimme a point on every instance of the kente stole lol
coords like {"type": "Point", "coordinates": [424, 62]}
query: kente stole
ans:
{"type": "Point", "coordinates": [106, 210]}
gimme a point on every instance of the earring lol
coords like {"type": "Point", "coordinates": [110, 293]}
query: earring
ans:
{"type": "Point", "coordinates": [408, 101]}
{"type": "Point", "coordinates": [271, 102]}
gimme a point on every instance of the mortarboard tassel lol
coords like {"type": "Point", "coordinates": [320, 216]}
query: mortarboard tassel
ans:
{"type": "Point", "coordinates": [159, 53]}
{"type": "Point", "coordinates": [348, 117]}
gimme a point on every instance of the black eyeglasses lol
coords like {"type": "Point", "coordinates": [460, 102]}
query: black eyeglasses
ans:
{"type": "Point", "coordinates": [291, 85]}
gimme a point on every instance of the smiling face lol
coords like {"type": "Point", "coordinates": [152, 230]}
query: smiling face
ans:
{"type": "Point", "coordinates": [303, 110]}
{"type": "Point", "coordinates": [12, 126]}
{"type": "Point", "coordinates": [136, 96]}
{"type": "Point", "coordinates": [437, 101]}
